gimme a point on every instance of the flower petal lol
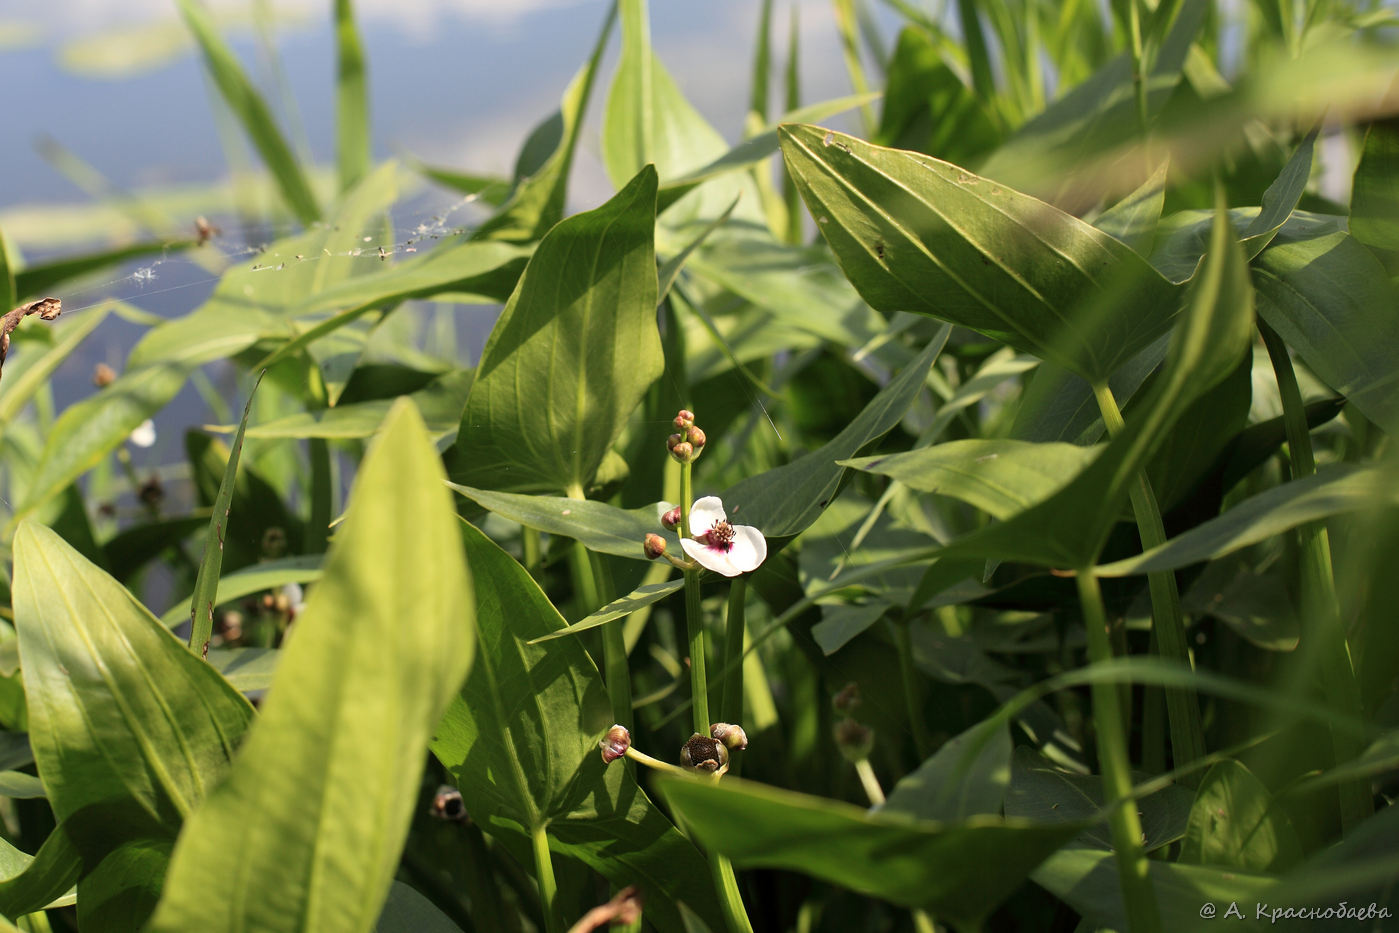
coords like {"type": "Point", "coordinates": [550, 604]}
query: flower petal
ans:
{"type": "Point", "coordinates": [710, 558]}
{"type": "Point", "coordinates": [749, 548]}
{"type": "Point", "coordinates": [705, 514]}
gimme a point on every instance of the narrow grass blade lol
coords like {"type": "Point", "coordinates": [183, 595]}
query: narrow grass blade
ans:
{"type": "Point", "coordinates": [206, 584]}
{"type": "Point", "coordinates": [351, 99]}
{"type": "Point", "coordinates": [251, 111]}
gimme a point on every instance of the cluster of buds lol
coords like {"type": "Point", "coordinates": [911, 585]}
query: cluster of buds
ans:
{"type": "Point", "coordinates": [707, 754]}
{"type": "Point", "coordinates": [687, 443]}
{"type": "Point", "coordinates": [854, 740]}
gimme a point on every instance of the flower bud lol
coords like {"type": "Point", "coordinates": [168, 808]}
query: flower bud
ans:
{"type": "Point", "coordinates": [854, 740]}
{"type": "Point", "coordinates": [848, 699]}
{"type": "Point", "coordinates": [684, 419]}
{"type": "Point", "coordinates": [653, 546]}
{"type": "Point", "coordinates": [683, 452]}
{"type": "Point", "coordinates": [695, 436]}
{"type": "Point", "coordinates": [705, 755]}
{"type": "Point", "coordinates": [671, 520]}
{"type": "Point", "coordinates": [615, 744]}
{"type": "Point", "coordinates": [103, 375]}
{"type": "Point", "coordinates": [733, 737]}
{"type": "Point", "coordinates": [447, 805]}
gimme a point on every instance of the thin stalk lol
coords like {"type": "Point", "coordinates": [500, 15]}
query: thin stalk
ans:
{"type": "Point", "coordinates": [849, 43]}
{"type": "Point", "coordinates": [544, 872]}
{"type": "Point", "coordinates": [694, 619]}
{"type": "Point", "coordinates": [731, 697]}
{"type": "Point", "coordinates": [322, 472]}
{"type": "Point", "coordinates": [597, 589]}
{"type": "Point", "coordinates": [904, 643]}
{"type": "Point", "coordinates": [1139, 63]}
{"type": "Point", "coordinates": [869, 782]}
{"type": "Point", "coordinates": [1323, 633]}
{"type": "Point", "coordinates": [1168, 621]}
{"type": "Point", "coordinates": [1123, 820]}
{"type": "Point", "coordinates": [533, 551]}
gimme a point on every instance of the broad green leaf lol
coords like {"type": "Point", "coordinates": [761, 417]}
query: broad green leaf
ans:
{"type": "Point", "coordinates": [206, 581]}
{"type": "Point", "coordinates": [958, 871]}
{"type": "Point", "coordinates": [33, 881]}
{"type": "Point", "coordinates": [1058, 405]}
{"type": "Point", "coordinates": [122, 719]}
{"type": "Point", "coordinates": [999, 477]}
{"type": "Point", "coordinates": [541, 190]}
{"type": "Point", "coordinates": [521, 742]}
{"type": "Point", "coordinates": [619, 608]}
{"type": "Point", "coordinates": [407, 911]}
{"type": "Point", "coordinates": [1207, 429]}
{"type": "Point", "coordinates": [32, 370]}
{"type": "Point", "coordinates": [913, 233]}
{"type": "Point", "coordinates": [784, 501]}
{"type": "Point", "coordinates": [1086, 879]}
{"type": "Point", "coordinates": [383, 642]}
{"type": "Point", "coordinates": [1133, 219]}
{"type": "Point", "coordinates": [258, 298]}
{"type": "Point", "coordinates": [1232, 825]}
{"type": "Point", "coordinates": [571, 355]}
{"type": "Point", "coordinates": [254, 579]}
{"type": "Point", "coordinates": [251, 111]}
{"type": "Point", "coordinates": [20, 786]}
{"type": "Point", "coordinates": [1280, 200]}
{"type": "Point", "coordinates": [352, 146]}
{"type": "Point", "coordinates": [1374, 204]}
{"type": "Point", "coordinates": [246, 669]}
{"type": "Point", "coordinates": [1068, 529]}
{"type": "Point", "coordinates": [1333, 490]}
{"type": "Point", "coordinates": [1042, 791]}
{"type": "Point", "coordinates": [967, 777]}
{"type": "Point", "coordinates": [1333, 303]}
{"type": "Point", "coordinates": [601, 527]}
{"type": "Point", "coordinates": [91, 429]}
{"type": "Point", "coordinates": [928, 108]}
{"type": "Point", "coordinates": [121, 891]}
{"type": "Point", "coordinates": [440, 405]}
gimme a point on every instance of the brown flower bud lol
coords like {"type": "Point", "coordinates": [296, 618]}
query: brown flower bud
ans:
{"type": "Point", "coordinates": [684, 419]}
{"type": "Point", "coordinates": [103, 375]}
{"type": "Point", "coordinates": [848, 699]}
{"type": "Point", "coordinates": [705, 755]}
{"type": "Point", "coordinates": [151, 493]}
{"type": "Point", "coordinates": [615, 744]}
{"type": "Point", "coordinates": [854, 740]}
{"type": "Point", "coordinates": [653, 546]}
{"type": "Point", "coordinates": [683, 452]}
{"type": "Point", "coordinates": [695, 436]}
{"type": "Point", "coordinates": [447, 805]}
{"type": "Point", "coordinates": [733, 737]}
{"type": "Point", "coordinates": [671, 520]}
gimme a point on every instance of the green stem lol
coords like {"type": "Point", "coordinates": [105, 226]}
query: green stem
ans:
{"type": "Point", "coordinates": [595, 579]}
{"type": "Point", "coordinates": [694, 619]}
{"type": "Point", "coordinates": [544, 872]}
{"type": "Point", "coordinates": [322, 472]}
{"type": "Point", "coordinates": [731, 699]}
{"type": "Point", "coordinates": [869, 782]}
{"type": "Point", "coordinates": [1123, 820]}
{"type": "Point", "coordinates": [903, 641]}
{"type": "Point", "coordinates": [533, 552]}
{"type": "Point", "coordinates": [1323, 633]}
{"type": "Point", "coordinates": [730, 900]}
{"type": "Point", "coordinates": [1139, 62]}
{"type": "Point", "coordinates": [1168, 622]}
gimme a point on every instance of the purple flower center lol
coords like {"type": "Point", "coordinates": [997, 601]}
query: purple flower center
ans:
{"type": "Point", "coordinates": [720, 537]}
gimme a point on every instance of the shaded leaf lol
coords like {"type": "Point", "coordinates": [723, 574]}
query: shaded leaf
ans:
{"type": "Point", "coordinates": [1374, 205]}
{"type": "Point", "coordinates": [619, 608]}
{"type": "Point", "coordinates": [967, 777]}
{"type": "Point", "coordinates": [600, 527]}
{"type": "Point", "coordinates": [1231, 824]}
{"type": "Point", "coordinates": [521, 741]}
{"type": "Point", "coordinates": [943, 867]}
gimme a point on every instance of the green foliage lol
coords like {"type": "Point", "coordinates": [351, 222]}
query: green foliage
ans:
{"type": "Point", "coordinates": [1033, 298]}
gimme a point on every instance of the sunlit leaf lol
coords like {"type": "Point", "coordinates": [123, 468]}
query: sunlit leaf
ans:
{"type": "Point", "coordinates": [395, 578]}
{"type": "Point", "coordinates": [1232, 823]}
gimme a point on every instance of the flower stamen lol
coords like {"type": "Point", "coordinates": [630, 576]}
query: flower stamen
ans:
{"type": "Point", "coordinates": [720, 537]}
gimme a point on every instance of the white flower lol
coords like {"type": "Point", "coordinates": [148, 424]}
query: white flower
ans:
{"type": "Point", "coordinates": [144, 435]}
{"type": "Point", "coordinates": [719, 546]}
